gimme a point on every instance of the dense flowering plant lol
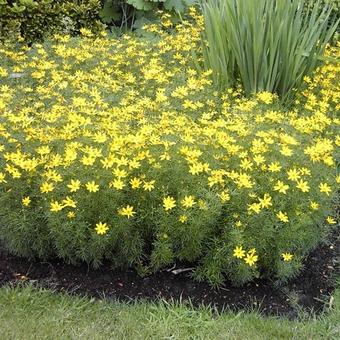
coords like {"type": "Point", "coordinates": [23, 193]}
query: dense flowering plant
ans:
{"type": "Point", "coordinates": [119, 149]}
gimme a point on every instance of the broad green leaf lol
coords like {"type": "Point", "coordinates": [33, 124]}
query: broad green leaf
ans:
{"type": "Point", "coordinates": [28, 3]}
{"type": "Point", "coordinates": [17, 9]}
{"type": "Point", "coordinates": [109, 12]}
{"type": "Point", "coordinates": [142, 4]}
{"type": "Point", "coordinates": [176, 5]}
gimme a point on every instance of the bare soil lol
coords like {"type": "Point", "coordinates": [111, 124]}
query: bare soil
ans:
{"type": "Point", "coordinates": [311, 290]}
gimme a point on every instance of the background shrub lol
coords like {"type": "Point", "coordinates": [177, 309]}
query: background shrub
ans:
{"type": "Point", "coordinates": [33, 20]}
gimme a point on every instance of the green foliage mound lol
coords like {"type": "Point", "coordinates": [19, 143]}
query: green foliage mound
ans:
{"type": "Point", "coordinates": [119, 149]}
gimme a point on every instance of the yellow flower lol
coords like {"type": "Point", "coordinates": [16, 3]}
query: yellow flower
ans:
{"type": "Point", "coordinates": [202, 205]}
{"type": "Point", "coordinates": [188, 202]}
{"type": "Point", "coordinates": [134, 164]}
{"type": "Point", "coordinates": [127, 211]}
{"type": "Point", "coordinates": [293, 175]}
{"type": "Point", "coordinates": [148, 186]}
{"type": "Point", "coordinates": [46, 187]}
{"type": "Point", "coordinates": [255, 207]}
{"type": "Point", "coordinates": [303, 185]}
{"type": "Point", "coordinates": [43, 150]}
{"type": "Point", "coordinates": [251, 257]}
{"type": "Point", "coordinates": [135, 183]}
{"type": "Point", "coordinates": [325, 188]}
{"type": "Point", "coordinates": [238, 224]}
{"type": "Point", "coordinates": [196, 168]}
{"type": "Point", "coordinates": [281, 187]}
{"type": "Point", "coordinates": [282, 216]}
{"type": "Point", "coordinates": [286, 151]}
{"type": "Point", "coordinates": [330, 220]}
{"type": "Point", "coordinates": [120, 173]}
{"type": "Point", "coordinates": [287, 257]}
{"type": "Point", "coordinates": [86, 32]}
{"type": "Point", "coordinates": [304, 171]}
{"type": "Point", "coordinates": [53, 176]}
{"type": "Point", "coordinates": [183, 218]}
{"type": "Point", "coordinates": [88, 160]}
{"type": "Point", "coordinates": [266, 97]}
{"type": "Point", "coordinates": [69, 202]}
{"type": "Point", "coordinates": [74, 185]}
{"type": "Point", "coordinates": [259, 159]}
{"type": "Point", "coordinates": [117, 184]}
{"type": "Point", "coordinates": [26, 201]}
{"type": "Point", "coordinates": [244, 181]}
{"type": "Point", "coordinates": [101, 228]}
{"type": "Point", "coordinates": [92, 186]}
{"type": "Point", "coordinates": [314, 205]}
{"type": "Point", "coordinates": [164, 157]}
{"type": "Point", "coordinates": [239, 252]}
{"type": "Point", "coordinates": [71, 214]}
{"type": "Point", "coordinates": [224, 196]}
{"type": "Point", "coordinates": [274, 167]}
{"type": "Point", "coordinates": [2, 178]}
{"type": "Point", "coordinates": [169, 203]}
{"type": "Point", "coordinates": [246, 164]}
{"type": "Point", "coordinates": [266, 201]}
{"type": "Point", "coordinates": [56, 206]}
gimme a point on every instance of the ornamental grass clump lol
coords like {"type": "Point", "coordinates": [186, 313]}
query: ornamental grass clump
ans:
{"type": "Point", "coordinates": [116, 149]}
{"type": "Point", "coordinates": [268, 45]}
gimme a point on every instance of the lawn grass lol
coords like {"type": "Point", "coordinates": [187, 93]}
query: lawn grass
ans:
{"type": "Point", "coordinates": [31, 313]}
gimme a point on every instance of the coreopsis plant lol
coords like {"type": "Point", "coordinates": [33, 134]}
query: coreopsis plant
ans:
{"type": "Point", "coordinates": [118, 149]}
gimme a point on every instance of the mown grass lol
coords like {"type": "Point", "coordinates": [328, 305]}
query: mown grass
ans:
{"type": "Point", "coordinates": [31, 313]}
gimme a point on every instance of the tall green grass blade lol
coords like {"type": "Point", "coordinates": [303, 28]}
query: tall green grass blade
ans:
{"type": "Point", "coordinates": [270, 45]}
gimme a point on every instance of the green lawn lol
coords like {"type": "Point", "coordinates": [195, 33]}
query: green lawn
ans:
{"type": "Point", "coordinates": [30, 313]}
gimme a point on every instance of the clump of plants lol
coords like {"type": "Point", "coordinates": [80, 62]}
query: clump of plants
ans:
{"type": "Point", "coordinates": [267, 45]}
{"type": "Point", "coordinates": [119, 149]}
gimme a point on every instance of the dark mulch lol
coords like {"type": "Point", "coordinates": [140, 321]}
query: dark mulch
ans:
{"type": "Point", "coordinates": [310, 290]}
